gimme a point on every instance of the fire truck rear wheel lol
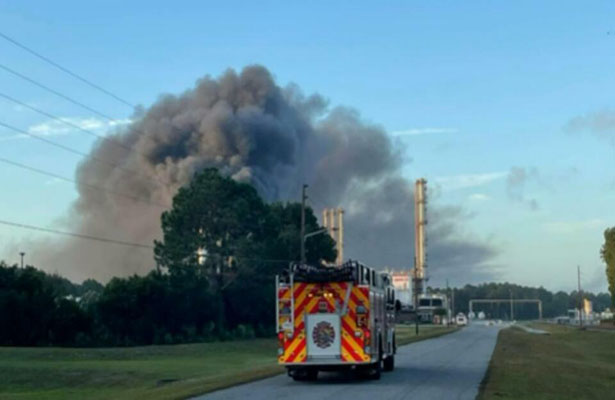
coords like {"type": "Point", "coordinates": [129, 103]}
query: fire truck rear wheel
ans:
{"type": "Point", "coordinates": [311, 374]}
{"type": "Point", "coordinates": [389, 363]}
{"type": "Point", "coordinates": [376, 369]}
{"type": "Point", "coordinates": [305, 375]}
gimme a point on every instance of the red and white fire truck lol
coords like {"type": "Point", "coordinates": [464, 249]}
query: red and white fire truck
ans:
{"type": "Point", "coordinates": [332, 318]}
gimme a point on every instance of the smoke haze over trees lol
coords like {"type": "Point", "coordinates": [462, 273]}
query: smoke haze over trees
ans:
{"type": "Point", "coordinates": [215, 276]}
{"type": "Point", "coordinates": [275, 138]}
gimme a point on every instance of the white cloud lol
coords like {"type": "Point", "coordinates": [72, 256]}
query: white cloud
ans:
{"type": "Point", "coordinates": [422, 131]}
{"type": "Point", "coordinates": [55, 128]}
{"type": "Point", "coordinates": [571, 227]}
{"type": "Point", "coordinates": [465, 181]}
{"type": "Point", "coordinates": [478, 197]}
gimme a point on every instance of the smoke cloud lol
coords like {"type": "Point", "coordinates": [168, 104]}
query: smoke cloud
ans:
{"type": "Point", "coordinates": [274, 138]}
{"type": "Point", "coordinates": [600, 123]}
{"type": "Point", "coordinates": [517, 180]}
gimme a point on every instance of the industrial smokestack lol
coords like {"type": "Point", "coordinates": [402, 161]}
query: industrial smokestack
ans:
{"type": "Point", "coordinates": [419, 239]}
{"type": "Point", "coordinates": [325, 219]}
{"type": "Point", "coordinates": [333, 221]}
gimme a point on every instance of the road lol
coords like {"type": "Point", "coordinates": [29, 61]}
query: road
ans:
{"type": "Point", "coordinates": [448, 367]}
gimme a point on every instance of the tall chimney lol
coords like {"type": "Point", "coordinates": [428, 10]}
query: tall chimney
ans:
{"type": "Point", "coordinates": [325, 219]}
{"type": "Point", "coordinates": [332, 223]}
{"type": "Point", "coordinates": [420, 221]}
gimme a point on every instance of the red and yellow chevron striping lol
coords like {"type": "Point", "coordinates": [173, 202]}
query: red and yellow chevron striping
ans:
{"type": "Point", "coordinates": [307, 299]}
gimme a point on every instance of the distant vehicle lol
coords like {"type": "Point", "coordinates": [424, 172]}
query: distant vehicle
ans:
{"type": "Point", "coordinates": [481, 315]}
{"type": "Point", "coordinates": [335, 318]}
{"type": "Point", "coordinates": [461, 320]}
{"type": "Point", "coordinates": [471, 315]}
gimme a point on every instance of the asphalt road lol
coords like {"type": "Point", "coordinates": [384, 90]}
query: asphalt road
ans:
{"type": "Point", "coordinates": [448, 367]}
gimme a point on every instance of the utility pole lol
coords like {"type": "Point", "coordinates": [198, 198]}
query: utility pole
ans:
{"type": "Point", "coordinates": [302, 238]}
{"type": "Point", "coordinates": [22, 254]}
{"type": "Point", "coordinates": [448, 304]}
{"type": "Point", "coordinates": [580, 296]}
{"type": "Point", "coordinates": [512, 313]}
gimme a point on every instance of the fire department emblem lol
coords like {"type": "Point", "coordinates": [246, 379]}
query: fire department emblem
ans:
{"type": "Point", "coordinates": [323, 334]}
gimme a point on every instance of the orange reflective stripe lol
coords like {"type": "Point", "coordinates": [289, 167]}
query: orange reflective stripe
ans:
{"type": "Point", "coordinates": [359, 292]}
{"type": "Point", "coordinates": [295, 351]}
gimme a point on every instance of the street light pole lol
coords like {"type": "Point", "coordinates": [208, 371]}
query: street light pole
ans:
{"type": "Point", "coordinates": [22, 254]}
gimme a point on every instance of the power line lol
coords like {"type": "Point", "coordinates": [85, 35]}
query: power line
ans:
{"type": "Point", "coordinates": [67, 98]}
{"type": "Point", "coordinates": [74, 151]}
{"type": "Point", "coordinates": [55, 117]}
{"type": "Point", "coordinates": [55, 92]}
{"type": "Point", "coordinates": [77, 235]}
{"type": "Point", "coordinates": [63, 178]}
{"type": "Point", "coordinates": [121, 242]}
{"type": "Point", "coordinates": [89, 132]}
{"type": "Point", "coordinates": [94, 187]}
{"type": "Point", "coordinates": [66, 70]}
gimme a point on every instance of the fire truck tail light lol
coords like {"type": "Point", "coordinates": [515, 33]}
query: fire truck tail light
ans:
{"type": "Point", "coordinates": [368, 337]}
{"type": "Point", "coordinates": [281, 338]}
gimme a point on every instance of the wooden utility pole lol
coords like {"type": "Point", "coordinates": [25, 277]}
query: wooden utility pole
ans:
{"type": "Point", "coordinates": [302, 236]}
{"type": "Point", "coordinates": [512, 312]}
{"type": "Point", "coordinates": [448, 305]}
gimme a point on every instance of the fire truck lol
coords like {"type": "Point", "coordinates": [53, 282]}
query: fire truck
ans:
{"type": "Point", "coordinates": [335, 318]}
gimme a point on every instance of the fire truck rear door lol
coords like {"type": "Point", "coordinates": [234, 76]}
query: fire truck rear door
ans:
{"type": "Point", "coordinates": [323, 335]}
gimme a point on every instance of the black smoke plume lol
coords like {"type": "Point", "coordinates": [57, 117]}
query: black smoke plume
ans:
{"type": "Point", "coordinates": [275, 138]}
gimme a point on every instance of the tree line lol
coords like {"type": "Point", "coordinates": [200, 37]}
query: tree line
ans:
{"type": "Point", "coordinates": [553, 304]}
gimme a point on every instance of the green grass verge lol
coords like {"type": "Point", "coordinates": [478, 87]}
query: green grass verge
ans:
{"type": "Point", "coordinates": [406, 334]}
{"type": "Point", "coordinates": [566, 364]}
{"type": "Point", "coordinates": [150, 372]}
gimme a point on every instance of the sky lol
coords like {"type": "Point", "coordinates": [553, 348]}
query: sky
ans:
{"type": "Point", "coordinates": [506, 108]}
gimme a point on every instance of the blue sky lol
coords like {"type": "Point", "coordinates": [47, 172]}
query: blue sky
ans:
{"type": "Point", "coordinates": [480, 92]}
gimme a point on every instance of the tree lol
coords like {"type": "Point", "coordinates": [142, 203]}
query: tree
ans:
{"type": "Point", "coordinates": [244, 242]}
{"type": "Point", "coordinates": [608, 256]}
{"type": "Point", "coordinates": [213, 214]}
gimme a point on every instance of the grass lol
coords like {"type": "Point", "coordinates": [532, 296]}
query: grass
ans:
{"type": "Point", "coordinates": [566, 364]}
{"type": "Point", "coordinates": [405, 334]}
{"type": "Point", "coordinates": [150, 372]}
